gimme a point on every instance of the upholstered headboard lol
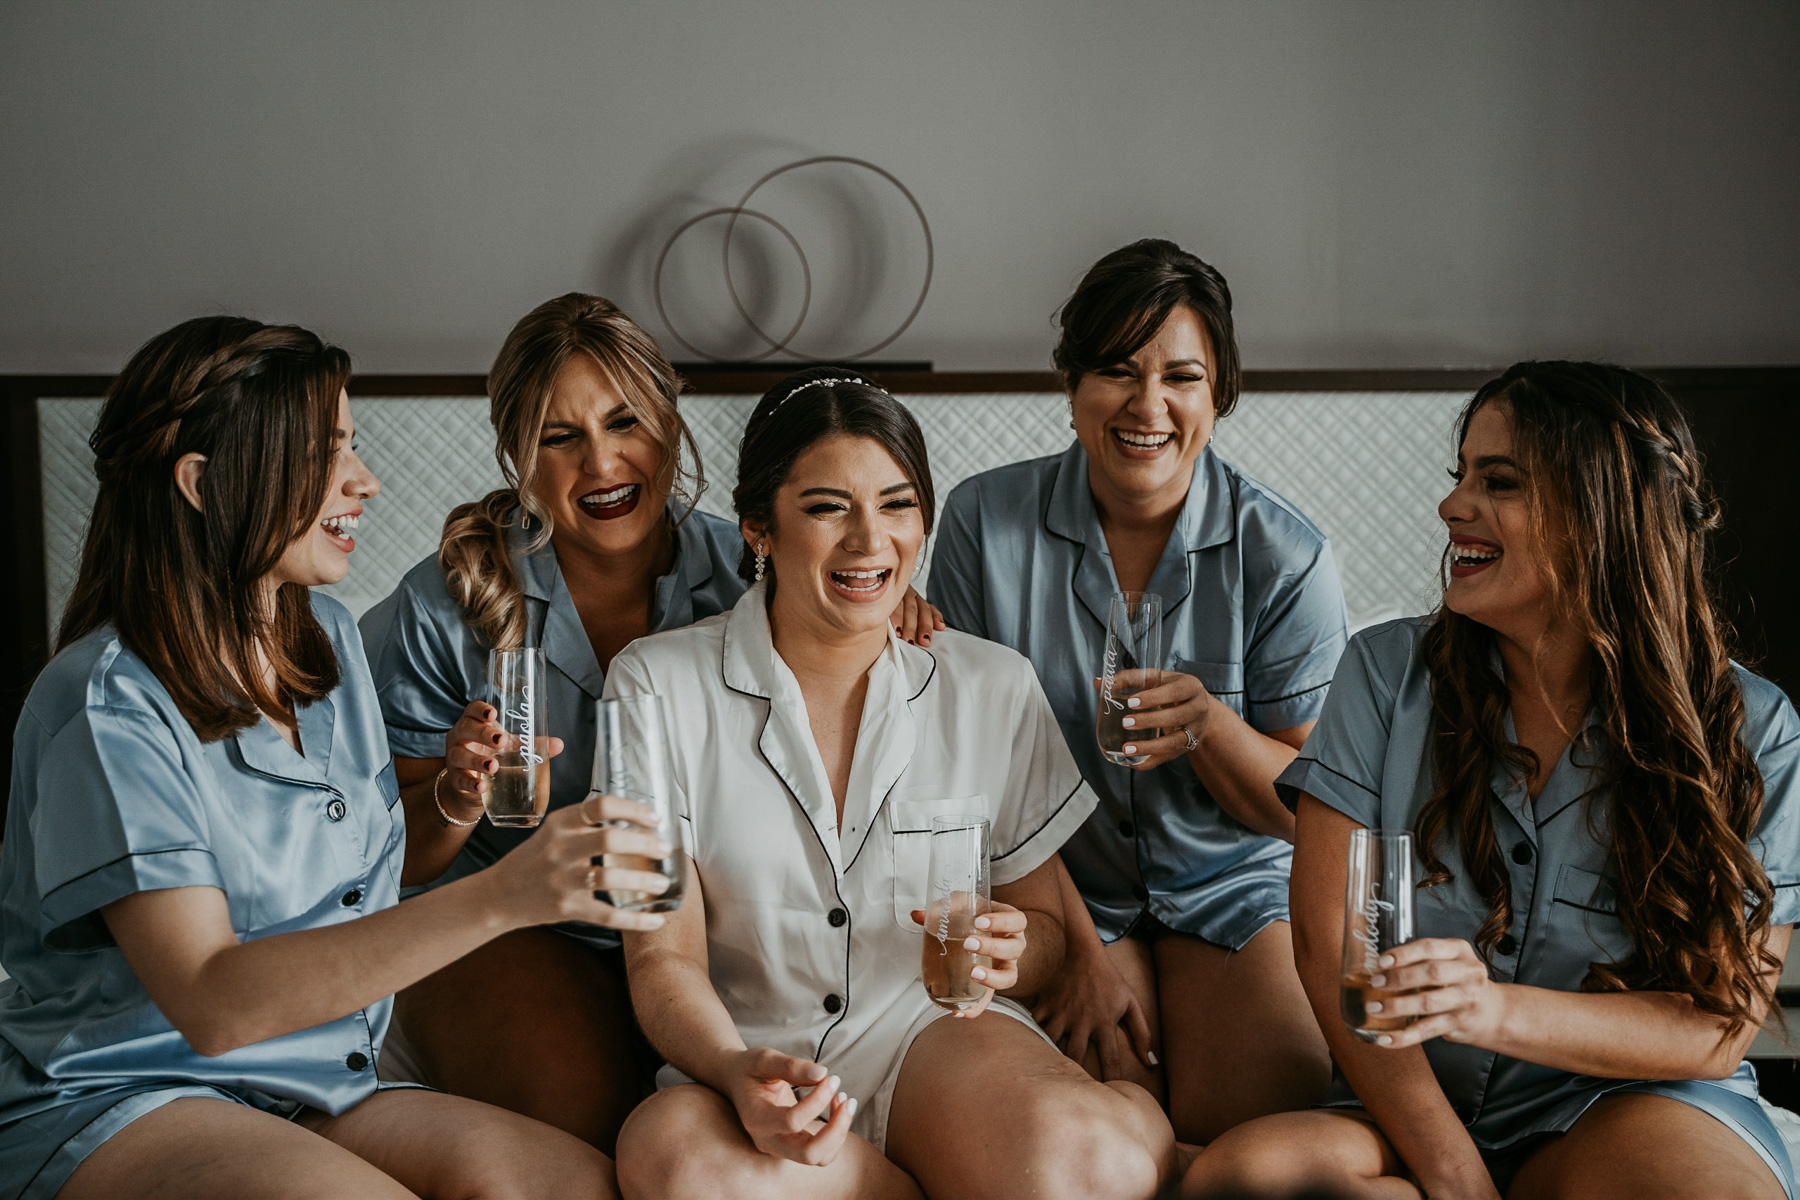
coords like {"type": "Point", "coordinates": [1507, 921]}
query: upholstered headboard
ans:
{"type": "Point", "coordinates": [1367, 467]}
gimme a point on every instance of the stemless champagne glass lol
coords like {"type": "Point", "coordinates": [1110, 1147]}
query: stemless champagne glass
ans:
{"type": "Point", "coordinates": [956, 893]}
{"type": "Point", "coordinates": [631, 760]}
{"type": "Point", "coordinates": [1131, 664]}
{"type": "Point", "coordinates": [520, 789]}
{"type": "Point", "coordinates": [1378, 915]}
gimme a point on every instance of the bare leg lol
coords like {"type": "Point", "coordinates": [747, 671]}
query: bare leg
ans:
{"type": "Point", "coordinates": [573, 1064]}
{"type": "Point", "coordinates": [1640, 1147]}
{"type": "Point", "coordinates": [1239, 1039]}
{"type": "Point", "coordinates": [449, 1146]}
{"type": "Point", "coordinates": [687, 1141]}
{"type": "Point", "coordinates": [1318, 1153]}
{"type": "Point", "coordinates": [1131, 958]}
{"type": "Point", "coordinates": [988, 1108]}
{"type": "Point", "coordinates": [201, 1149]}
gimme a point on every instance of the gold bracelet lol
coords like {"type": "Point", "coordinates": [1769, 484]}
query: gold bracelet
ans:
{"type": "Point", "coordinates": [448, 819]}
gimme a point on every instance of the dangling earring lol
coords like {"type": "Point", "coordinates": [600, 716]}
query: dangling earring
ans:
{"type": "Point", "coordinates": [761, 558]}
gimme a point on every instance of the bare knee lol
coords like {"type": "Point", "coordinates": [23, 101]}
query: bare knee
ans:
{"type": "Point", "coordinates": [678, 1143]}
{"type": "Point", "coordinates": [1084, 1141]}
{"type": "Point", "coordinates": [536, 1161]}
{"type": "Point", "coordinates": [1275, 1156]}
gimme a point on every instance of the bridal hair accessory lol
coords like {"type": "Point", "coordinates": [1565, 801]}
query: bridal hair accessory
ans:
{"type": "Point", "coordinates": [826, 383]}
{"type": "Point", "coordinates": [761, 558]}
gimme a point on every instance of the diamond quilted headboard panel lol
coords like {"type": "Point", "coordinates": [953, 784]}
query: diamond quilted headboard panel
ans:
{"type": "Point", "coordinates": [1366, 467]}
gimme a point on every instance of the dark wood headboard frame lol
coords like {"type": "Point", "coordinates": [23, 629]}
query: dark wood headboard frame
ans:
{"type": "Point", "coordinates": [1747, 420]}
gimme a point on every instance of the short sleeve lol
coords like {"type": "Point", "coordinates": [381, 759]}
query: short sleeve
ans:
{"type": "Point", "coordinates": [1344, 756]}
{"type": "Point", "coordinates": [1045, 799]}
{"type": "Point", "coordinates": [956, 584]}
{"type": "Point", "coordinates": [118, 812]}
{"type": "Point", "coordinates": [415, 656]}
{"type": "Point", "coordinates": [1773, 734]}
{"type": "Point", "coordinates": [1300, 636]}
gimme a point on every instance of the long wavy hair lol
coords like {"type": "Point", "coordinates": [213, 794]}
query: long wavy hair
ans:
{"type": "Point", "coordinates": [1611, 475]}
{"type": "Point", "coordinates": [185, 588]}
{"type": "Point", "coordinates": [474, 551]}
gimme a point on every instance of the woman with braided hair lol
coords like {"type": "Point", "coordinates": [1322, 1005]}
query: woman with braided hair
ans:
{"type": "Point", "coordinates": [203, 846]}
{"type": "Point", "coordinates": [1606, 810]}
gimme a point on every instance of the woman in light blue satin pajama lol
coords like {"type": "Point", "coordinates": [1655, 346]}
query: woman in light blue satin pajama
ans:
{"type": "Point", "coordinates": [1184, 864]}
{"type": "Point", "coordinates": [1598, 930]}
{"type": "Point", "coordinates": [202, 859]}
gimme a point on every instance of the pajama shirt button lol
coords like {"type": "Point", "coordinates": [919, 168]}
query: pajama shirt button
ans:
{"type": "Point", "coordinates": [833, 1002]}
{"type": "Point", "coordinates": [335, 810]}
{"type": "Point", "coordinates": [357, 1061]}
{"type": "Point", "coordinates": [837, 918]}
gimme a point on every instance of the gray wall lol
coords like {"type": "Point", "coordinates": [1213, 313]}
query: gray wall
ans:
{"type": "Point", "coordinates": [1385, 184]}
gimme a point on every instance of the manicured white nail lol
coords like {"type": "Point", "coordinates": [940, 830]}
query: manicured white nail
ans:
{"type": "Point", "coordinates": [1128, 749]}
{"type": "Point", "coordinates": [1129, 722]}
{"type": "Point", "coordinates": [1154, 1061]}
{"type": "Point", "coordinates": [971, 943]}
{"type": "Point", "coordinates": [1377, 980]}
{"type": "Point", "coordinates": [853, 1108]}
{"type": "Point", "coordinates": [1384, 1040]}
{"type": "Point", "coordinates": [831, 1085]}
{"type": "Point", "coordinates": [1133, 702]}
{"type": "Point", "coordinates": [1373, 1006]}
{"type": "Point", "coordinates": [982, 922]}
{"type": "Point", "coordinates": [977, 973]}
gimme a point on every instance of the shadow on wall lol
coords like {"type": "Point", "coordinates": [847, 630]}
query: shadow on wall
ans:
{"type": "Point", "coordinates": [861, 241]}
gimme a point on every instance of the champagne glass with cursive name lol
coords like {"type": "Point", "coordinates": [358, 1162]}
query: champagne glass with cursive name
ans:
{"type": "Point", "coordinates": [520, 790]}
{"type": "Point", "coordinates": [1130, 664]}
{"type": "Point", "coordinates": [956, 893]}
{"type": "Point", "coordinates": [1378, 915]}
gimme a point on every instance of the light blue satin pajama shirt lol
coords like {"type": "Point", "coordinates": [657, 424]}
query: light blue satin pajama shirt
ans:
{"type": "Point", "coordinates": [1252, 607]}
{"type": "Point", "coordinates": [1370, 758]}
{"type": "Point", "coordinates": [430, 664]}
{"type": "Point", "coordinates": [113, 793]}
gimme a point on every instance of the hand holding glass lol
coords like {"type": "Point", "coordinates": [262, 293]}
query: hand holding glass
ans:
{"type": "Point", "coordinates": [956, 893]}
{"type": "Point", "coordinates": [631, 759]}
{"type": "Point", "coordinates": [520, 791]}
{"type": "Point", "coordinates": [1130, 664]}
{"type": "Point", "coordinates": [1378, 915]}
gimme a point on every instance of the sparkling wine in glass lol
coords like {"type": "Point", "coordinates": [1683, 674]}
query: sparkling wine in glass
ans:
{"type": "Point", "coordinates": [1378, 915]}
{"type": "Point", "coordinates": [1129, 665]}
{"type": "Point", "coordinates": [956, 893]}
{"type": "Point", "coordinates": [519, 792]}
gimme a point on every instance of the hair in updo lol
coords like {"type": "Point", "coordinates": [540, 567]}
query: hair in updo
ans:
{"type": "Point", "coordinates": [803, 410]}
{"type": "Point", "coordinates": [1125, 298]}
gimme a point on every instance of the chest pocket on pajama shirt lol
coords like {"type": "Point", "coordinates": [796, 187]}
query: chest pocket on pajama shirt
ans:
{"type": "Point", "coordinates": [911, 819]}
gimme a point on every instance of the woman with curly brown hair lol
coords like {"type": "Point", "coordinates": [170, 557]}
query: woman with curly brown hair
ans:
{"type": "Point", "coordinates": [1605, 809]}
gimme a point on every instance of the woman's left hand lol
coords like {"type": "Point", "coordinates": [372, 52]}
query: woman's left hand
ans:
{"type": "Point", "coordinates": [916, 619]}
{"type": "Point", "coordinates": [1000, 935]}
{"type": "Point", "coordinates": [1177, 704]}
{"type": "Point", "coordinates": [1453, 996]}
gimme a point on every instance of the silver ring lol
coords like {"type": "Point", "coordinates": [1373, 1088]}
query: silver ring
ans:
{"type": "Point", "coordinates": [1193, 742]}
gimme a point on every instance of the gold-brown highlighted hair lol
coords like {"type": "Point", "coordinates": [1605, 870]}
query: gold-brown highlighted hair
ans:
{"type": "Point", "coordinates": [184, 589]}
{"type": "Point", "coordinates": [474, 554]}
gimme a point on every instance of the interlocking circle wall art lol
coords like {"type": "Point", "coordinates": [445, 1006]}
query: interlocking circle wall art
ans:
{"type": "Point", "coordinates": [784, 344]}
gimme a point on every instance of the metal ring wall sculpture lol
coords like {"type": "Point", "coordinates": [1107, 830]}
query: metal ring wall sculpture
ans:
{"type": "Point", "coordinates": [784, 344]}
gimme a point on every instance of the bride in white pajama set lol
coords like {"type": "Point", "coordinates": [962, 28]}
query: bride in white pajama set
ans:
{"type": "Point", "coordinates": [810, 749]}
